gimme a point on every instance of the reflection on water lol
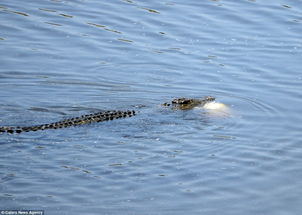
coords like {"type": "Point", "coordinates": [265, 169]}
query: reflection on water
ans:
{"type": "Point", "coordinates": [62, 59]}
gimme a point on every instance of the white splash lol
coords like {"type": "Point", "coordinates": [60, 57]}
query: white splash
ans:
{"type": "Point", "coordinates": [214, 106]}
{"type": "Point", "coordinates": [217, 109]}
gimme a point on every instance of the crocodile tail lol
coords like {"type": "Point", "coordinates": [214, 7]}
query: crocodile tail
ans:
{"type": "Point", "coordinates": [10, 130]}
{"type": "Point", "coordinates": [82, 120]}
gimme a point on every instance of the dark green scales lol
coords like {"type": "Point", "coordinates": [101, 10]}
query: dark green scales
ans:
{"type": "Point", "coordinates": [180, 104]}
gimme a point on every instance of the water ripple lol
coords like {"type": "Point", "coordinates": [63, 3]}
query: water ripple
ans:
{"type": "Point", "coordinates": [65, 58]}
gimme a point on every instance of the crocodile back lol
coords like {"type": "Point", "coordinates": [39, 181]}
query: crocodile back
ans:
{"type": "Point", "coordinates": [81, 120]}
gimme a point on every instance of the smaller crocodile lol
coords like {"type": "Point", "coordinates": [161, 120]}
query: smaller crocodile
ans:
{"type": "Point", "coordinates": [176, 104]}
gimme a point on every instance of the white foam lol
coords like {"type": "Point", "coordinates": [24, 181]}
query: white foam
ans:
{"type": "Point", "coordinates": [217, 109]}
{"type": "Point", "coordinates": [215, 106]}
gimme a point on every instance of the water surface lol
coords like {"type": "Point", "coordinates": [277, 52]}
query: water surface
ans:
{"type": "Point", "coordinates": [67, 58]}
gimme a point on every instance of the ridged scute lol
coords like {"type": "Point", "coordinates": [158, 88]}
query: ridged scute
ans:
{"type": "Point", "coordinates": [188, 103]}
{"type": "Point", "coordinates": [81, 120]}
{"type": "Point", "coordinates": [176, 104]}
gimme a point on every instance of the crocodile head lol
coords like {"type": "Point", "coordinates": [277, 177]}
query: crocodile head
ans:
{"type": "Point", "coordinates": [189, 103]}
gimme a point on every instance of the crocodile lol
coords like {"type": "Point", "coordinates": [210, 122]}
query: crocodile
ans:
{"type": "Point", "coordinates": [188, 103]}
{"type": "Point", "coordinates": [176, 104]}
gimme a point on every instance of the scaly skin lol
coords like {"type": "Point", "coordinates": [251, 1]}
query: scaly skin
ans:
{"type": "Point", "coordinates": [179, 104]}
{"type": "Point", "coordinates": [82, 120]}
{"type": "Point", "coordinates": [188, 103]}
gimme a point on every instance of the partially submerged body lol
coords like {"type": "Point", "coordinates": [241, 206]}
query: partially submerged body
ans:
{"type": "Point", "coordinates": [81, 120]}
{"type": "Point", "coordinates": [207, 103]}
{"type": "Point", "coordinates": [175, 104]}
{"type": "Point", "coordinates": [189, 103]}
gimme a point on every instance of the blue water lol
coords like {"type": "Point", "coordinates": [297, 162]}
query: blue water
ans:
{"type": "Point", "coordinates": [61, 59]}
